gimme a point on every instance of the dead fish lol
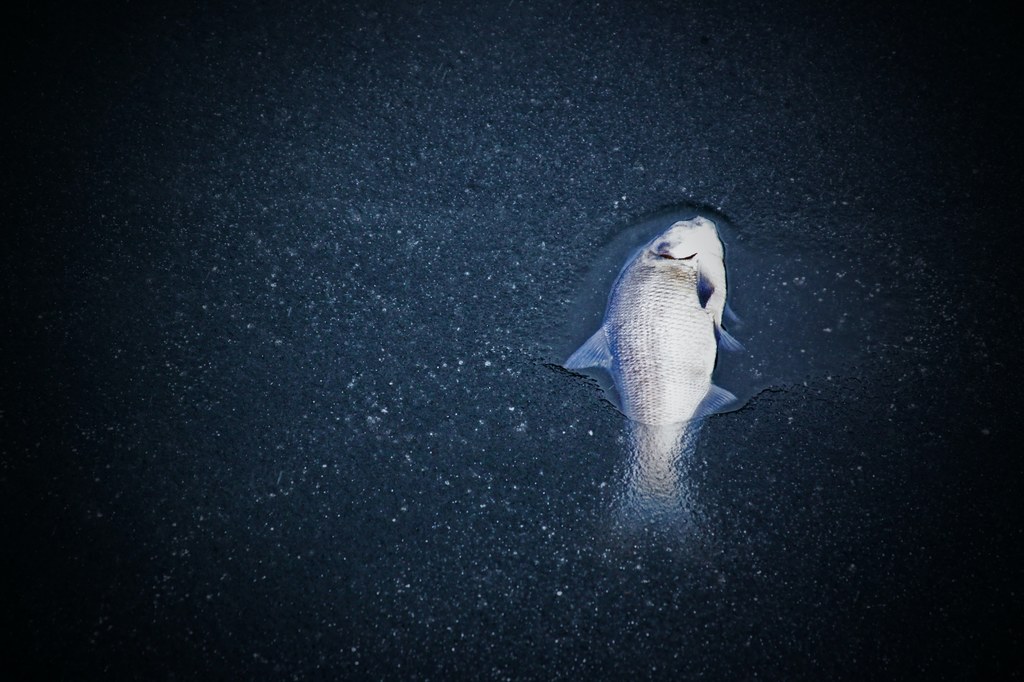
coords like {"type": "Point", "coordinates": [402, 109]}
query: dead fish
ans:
{"type": "Point", "coordinates": [662, 327]}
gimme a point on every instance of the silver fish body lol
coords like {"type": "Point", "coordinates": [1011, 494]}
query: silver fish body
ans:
{"type": "Point", "coordinates": [659, 339]}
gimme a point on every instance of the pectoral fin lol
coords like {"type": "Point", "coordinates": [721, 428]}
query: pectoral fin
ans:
{"type": "Point", "coordinates": [731, 315]}
{"type": "Point", "coordinates": [726, 341]}
{"type": "Point", "coordinates": [593, 353]}
{"type": "Point", "coordinates": [717, 400]}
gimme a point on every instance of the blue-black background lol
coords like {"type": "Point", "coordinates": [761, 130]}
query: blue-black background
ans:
{"type": "Point", "coordinates": [282, 282]}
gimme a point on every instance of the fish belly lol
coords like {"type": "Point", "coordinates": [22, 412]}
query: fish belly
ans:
{"type": "Point", "coordinates": [663, 350]}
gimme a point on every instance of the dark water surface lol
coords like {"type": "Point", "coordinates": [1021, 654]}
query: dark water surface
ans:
{"type": "Point", "coordinates": [286, 289]}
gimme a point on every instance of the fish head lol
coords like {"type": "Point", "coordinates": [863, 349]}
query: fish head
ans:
{"type": "Point", "coordinates": [686, 243]}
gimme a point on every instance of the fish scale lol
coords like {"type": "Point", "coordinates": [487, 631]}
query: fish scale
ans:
{"type": "Point", "coordinates": [661, 340]}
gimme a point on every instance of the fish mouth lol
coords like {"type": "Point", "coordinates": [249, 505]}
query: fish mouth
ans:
{"type": "Point", "coordinates": [663, 254]}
